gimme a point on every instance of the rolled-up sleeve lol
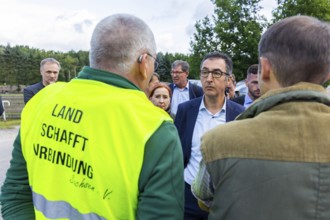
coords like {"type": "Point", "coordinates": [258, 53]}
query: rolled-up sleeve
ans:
{"type": "Point", "coordinates": [202, 187]}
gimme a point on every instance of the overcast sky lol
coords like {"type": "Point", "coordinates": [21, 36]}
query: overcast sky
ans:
{"type": "Point", "coordinates": [64, 25]}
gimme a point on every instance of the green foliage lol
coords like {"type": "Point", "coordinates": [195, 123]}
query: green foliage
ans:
{"type": "Point", "coordinates": [316, 8]}
{"type": "Point", "coordinates": [165, 61]}
{"type": "Point", "coordinates": [204, 41]}
{"type": "Point", "coordinates": [326, 84]}
{"type": "Point", "coordinates": [234, 29]}
{"type": "Point", "coordinates": [20, 65]}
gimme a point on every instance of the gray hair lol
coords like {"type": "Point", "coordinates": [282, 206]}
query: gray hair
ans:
{"type": "Point", "coordinates": [156, 75]}
{"type": "Point", "coordinates": [118, 40]}
{"type": "Point", "coordinates": [298, 49]}
{"type": "Point", "coordinates": [184, 65]}
{"type": "Point", "coordinates": [49, 60]}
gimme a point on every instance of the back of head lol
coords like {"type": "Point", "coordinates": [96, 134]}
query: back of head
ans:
{"type": "Point", "coordinates": [298, 49]}
{"type": "Point", "coordinates": [155, 75]}
{"type": "Point", "coordinates": [225, 57]}
{"type": "Point", "coordinates": [232, 77]}
{"type": "Point", "coordinates": [117, 41]}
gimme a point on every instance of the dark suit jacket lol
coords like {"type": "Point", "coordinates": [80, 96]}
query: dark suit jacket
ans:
{"type": "Point", "coordinates": [194, 90]}
{"type": "Point", "coordinates": [186, 118]}
{"type": "Point", "coordinates": [30, 91]}
{"type": "Point", "coordinates": [1, 107]}
{"type": "Point", "coordinates": [239, 99]}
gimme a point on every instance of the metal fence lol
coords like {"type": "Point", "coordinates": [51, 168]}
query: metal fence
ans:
{"type": "Point", "coordinates": [13, 105]}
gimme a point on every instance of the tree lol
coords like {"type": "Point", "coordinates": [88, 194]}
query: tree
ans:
{"type": "Point", "coordinates": [20, 65]}
{"type": "Point", "coordinates": [204, 41]}
{"type": "Point", "coordinates": [316, 8]}
{"type": "Point", "coordinates": [164, 67]}
{"type": "Point", "coordinates": [165, 62]}
{"type": "Point", "coordinates": [9, 70]}
{"type": "Point", "coordinates": [235, 29]}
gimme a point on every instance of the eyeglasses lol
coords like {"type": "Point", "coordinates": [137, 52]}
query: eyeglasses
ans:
{"type": "Point", "coordinates": [156, 64]}
{"type": "Point", "coordinates": [215, 73]}
{"type": "Point", "coordinates": [176, 72]}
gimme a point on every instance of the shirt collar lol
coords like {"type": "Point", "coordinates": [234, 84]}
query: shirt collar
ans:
{"type": "Point", "coordinates": [203, 108]}
{"type": "Point", "coordinates": [247, 99]}
{"type": "Point", "coordinates": [186, 87]}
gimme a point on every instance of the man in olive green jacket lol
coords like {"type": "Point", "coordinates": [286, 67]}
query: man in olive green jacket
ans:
{"type": "Point", "coordinates": [273, 162]}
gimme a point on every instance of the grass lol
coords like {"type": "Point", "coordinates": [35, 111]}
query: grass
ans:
{"type": "Point", "coordinates": [9, 124]}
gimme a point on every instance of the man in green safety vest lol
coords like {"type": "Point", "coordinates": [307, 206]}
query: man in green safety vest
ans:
{"type": "Point", "coordinates": [96, 147]}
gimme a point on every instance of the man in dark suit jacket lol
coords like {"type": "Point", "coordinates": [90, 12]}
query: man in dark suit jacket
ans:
{"type": "Point", "coordinates": [199, 115]}
{"type": "Point", "coordinates": [182, 89]}
{"type": "Point", "coordinates": [240, 99]}
{"type": "Point", "coordinates": [186, 119]}
{"type": "Point", "coordinates": [252, 84]}
{"type": "Point", "coordinates": [194, 90]}
{"type": "Point", "coordinates": [49, 70]}
{"type": "Point", "coordinates": [2, 109]}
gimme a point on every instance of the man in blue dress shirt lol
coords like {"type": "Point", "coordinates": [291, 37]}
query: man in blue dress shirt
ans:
{"type": "Point", "coordinates": [201, 114]}
{"type": "Point", "coordinates": [182, 89]}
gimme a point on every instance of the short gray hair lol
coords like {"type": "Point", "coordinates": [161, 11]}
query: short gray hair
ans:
{"type": "Point", "coordinates": [49, 60]}
{"type": "Point", "coordinates": [117, 41]}
{"type": "Point", "coordinates": [184, 65]}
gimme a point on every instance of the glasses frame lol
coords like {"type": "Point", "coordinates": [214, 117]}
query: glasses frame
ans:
{"type": "Point", "coordinates": [214, 75]}
{"type": "Point", "coordinates": [156, 63]}
{"type": "Point", "coordinates": [177, 72]}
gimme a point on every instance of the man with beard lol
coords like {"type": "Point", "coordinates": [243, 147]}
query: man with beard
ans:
{"type": "Point", "coordinates": [251, 82]}
{"type": "Point", "coordinates": [273, 161]}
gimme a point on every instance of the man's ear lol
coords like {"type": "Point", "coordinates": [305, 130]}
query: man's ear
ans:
{"type": "Point", "coordinates": [265, 69]}
{"type": "Point", "coordinates": [143, 66]}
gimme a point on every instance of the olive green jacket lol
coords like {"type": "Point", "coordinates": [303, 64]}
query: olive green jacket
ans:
{"type": "Point", "coordinates": [273, 162]}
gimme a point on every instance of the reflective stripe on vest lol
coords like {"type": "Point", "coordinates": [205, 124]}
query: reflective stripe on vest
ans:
{"type": "Point", "coordinates": [87, 151]}
{"type": "Point", "coordinates": [60, 209]}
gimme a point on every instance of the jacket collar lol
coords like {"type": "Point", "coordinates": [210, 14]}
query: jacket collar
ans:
{"type": "Point", "coordinates": [106, 77]}
{"type": "Point", "coordinates": [298, 92]}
